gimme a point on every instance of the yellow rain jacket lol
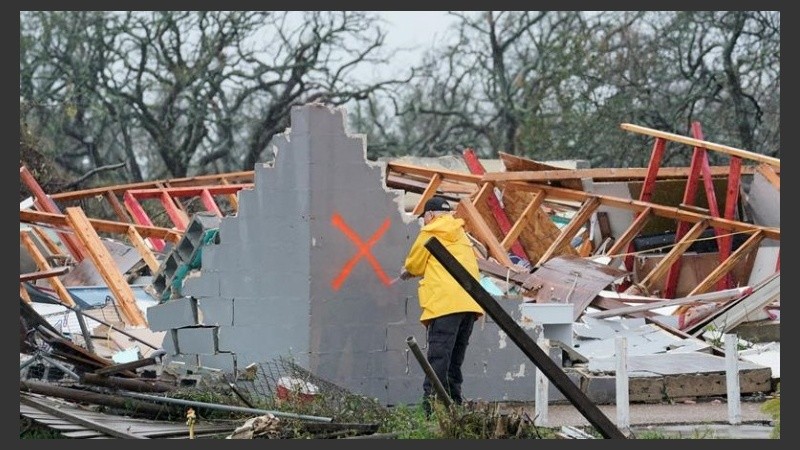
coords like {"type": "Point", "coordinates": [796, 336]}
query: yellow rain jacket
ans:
{"type": "Point", "coordinates": [439, 293]}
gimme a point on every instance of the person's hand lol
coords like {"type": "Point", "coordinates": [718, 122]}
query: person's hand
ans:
{"type": "Point", "coordinates": [404, 275]}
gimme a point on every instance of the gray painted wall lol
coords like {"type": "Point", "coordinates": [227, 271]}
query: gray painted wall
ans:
{"type": "Point", "coordinates": [286, 278]}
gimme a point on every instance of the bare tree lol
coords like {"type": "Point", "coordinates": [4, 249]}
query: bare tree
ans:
{"type": "Point", "coordinates": [175, 93]}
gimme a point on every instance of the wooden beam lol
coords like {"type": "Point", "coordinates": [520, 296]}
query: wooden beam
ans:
{"type": "Point", "coordinates": [138, 242]}
{"type": "Point", "coordinates": [500, 216]}
{"type": "Point", "coordinates": [721, 270]}
{"type": "Point", "coordinates": [210, 203]}
{"type": "Point", "coordinates": [701, 143]}
{"type": "Point", "coordinates": [106, 266]}
{"type": "Point", "coordinates": [602, 174]}
{"type": "Point", "coordinates": [430, 191]}
{"type": "Point", "coordinates": [571, 229]}
{"type": "Point", "coordinates": [670, 212]}
{"type": "Point", "coordinates": [116, 205]}
{"type": "Point", "coordinates": [677, 251]}
{"type": "Point", "coordinates": [523, 219]}
{"type": "Point", "coordinates": [101, 226]}
{"type": "Point", "coordinates": [54, 272]}
{"type": "Point", "coordinates": [140, 216]}
{"type": "Point", "coordinates": [244, 178]}
{"type": "Point", "coordinates": [475, 222]}
{"type": "Point", "coordinates": [629, 234]}
{"type": "Point", "coordinates": [428, 172]}
{"type": "Point", "coordinates": [175, 214]}
{"type": "Point", "coordinates": [41, 263]}
{"type": "Point", "coordinates": [770, 174]}
{"type": "Point", "coordinates": [48, 205]}
{"type": "Point", "coordinates": [233, 198]}
{"type": "Point", "coordinates": [52, 247]}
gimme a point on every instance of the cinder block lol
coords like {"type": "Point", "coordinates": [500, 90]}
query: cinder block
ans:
{"type": "Point", "coordinates": [225, 362]}
{"type": "Point", "coordinates": [169, 344]}
{"type": "Point", "coordinates": [601, 389]}
{"type": "Point", "coordinates": [354, 338]}
{"type": "Point", "coordinates": [175, 313]}
{"type": "Point", "coordinates": [269, 311]}
{"type": "Point", "coordinates": [199, 340]}
{"type": "Point", "coordinates": [398, 334]}
{"type": "Point", "coordinates": [215, 311]}
{"type": "Point", "coordinates": [205, 285]}
{"type": "Point", "coordinates": [269, 342]}
{"type": "Point", "coordinates": [189, 361]}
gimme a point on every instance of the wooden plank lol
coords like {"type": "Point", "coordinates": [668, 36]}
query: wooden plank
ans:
{"type": "Point", "coordinates": [770, 174]}
{"type": "Point", "coordinates": [514, 163]}
{"type": "Point", "coordinates": [749, 245]}
{"type": "Point", "coordinates": [701, 143]}
{"type": "Point", "coordinates": [697, 166]}
{"type": "Point", "coordinates": [233, 198]}
{"type": "Point", "coordinates": [493, 202]}
{"type": "Point", "coordinates": [601, 174]}
{"type": "Point", "coordinates": [45, 239]}
{"type": "Point", "coordinates": [479, 202]}
{"type": "Point", "coordinates": [41, 263]}
{"type": "Point", "coordinates": [677, 251]}
{"type": "Point", "coordinates": [523, 220]}
{"type": "Point", "coordinates": [48, 205]}
{"type": "Point", "coordinates": [428, 172]}
{"type": "Point", "coordinates": [240, 178]}
{"type": "Point", "coordinates": [101, 226]}
{"type": "Point", "coordinates": [658, 210]}
{"type": "Point", "coordinates": [54, 272]}
{"type": "Point", "coordinates": [140, 216]}
{"type": "Point", "coordinates": [105, 265]}
{"type": "Point", "coordinates": [537, 236]}
{"type": "Point", "coordinates": [210, 203]}
{"type": "Point", "coordinates": [572, 228]}
{"type": "Point", "coordinates": [116, 205]}
{"type": "Point", "coordinates": [731, 203]}
{"type": "Point", "coordinates": [175, 214]}
{"type": "Point", "coordinates": [478, 226]}
{"type": "Point", "coordinates": [141, 246]}
{"type": "Point", "coordinates": [430, 191]}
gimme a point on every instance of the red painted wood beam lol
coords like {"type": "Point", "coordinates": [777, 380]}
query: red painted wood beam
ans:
{"type": "Point", "coordinates": [175, 214]}
{"type": "Point", "coordinates": [476, 168]}
{"type": "Point", "coordinates": [209, 203]}
{"type": "Point", "coordinates": [47, 204]}
{"type": "Point", "coordinates": [140, 217]}
{"type": "Point", "coordinates": [188, 191]}
{"type": "Point", "coordinates": [645, 195]}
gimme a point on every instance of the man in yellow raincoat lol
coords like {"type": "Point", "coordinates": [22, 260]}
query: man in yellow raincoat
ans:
{"type": "Point", "coordinates": [448, 311]}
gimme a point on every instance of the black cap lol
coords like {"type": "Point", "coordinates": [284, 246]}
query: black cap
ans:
{"type": "Point", "coordinates": [436, 204]}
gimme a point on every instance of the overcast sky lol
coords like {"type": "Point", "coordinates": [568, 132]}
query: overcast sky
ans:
{"type": "Point", "coordinates": [417, 30]}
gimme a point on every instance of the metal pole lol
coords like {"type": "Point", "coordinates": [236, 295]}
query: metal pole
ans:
{"type": "Point", "coordinates": [230, 408]}
{"type": "Point", "coordinates": [426, 366]}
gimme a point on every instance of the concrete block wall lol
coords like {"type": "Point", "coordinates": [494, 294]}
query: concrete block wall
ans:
{"type": "Point", "coordinates": [303, 270]}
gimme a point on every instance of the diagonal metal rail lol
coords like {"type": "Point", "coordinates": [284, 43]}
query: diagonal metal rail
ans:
{"type": "Point", "coordinates": [542, 361]}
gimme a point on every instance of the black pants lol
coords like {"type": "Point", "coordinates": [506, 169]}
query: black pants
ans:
{"type": "Point", "coordinates": [448, 338]}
